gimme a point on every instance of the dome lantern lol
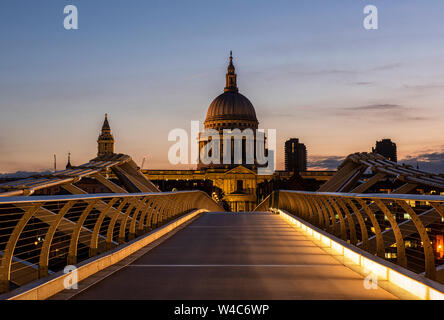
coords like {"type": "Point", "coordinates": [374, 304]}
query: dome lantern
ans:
{"type": "Point", "coordinates": [231, 109]}
{"type": "Point", "coordinates": [231, 77]}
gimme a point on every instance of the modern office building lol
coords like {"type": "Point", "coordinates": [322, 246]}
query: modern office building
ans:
{"type": "Point", "coordinates": [295, 156]}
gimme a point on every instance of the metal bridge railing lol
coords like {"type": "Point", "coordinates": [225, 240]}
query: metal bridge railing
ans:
{"type": "Point", "coordinates": [405, 229]}
{"type": "Point", "coordinates": [42, 234]}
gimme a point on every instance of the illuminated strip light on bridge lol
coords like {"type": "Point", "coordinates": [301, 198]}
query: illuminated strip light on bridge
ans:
{"type": "Point", "coordinates": [383, 270]}
{"type": "Point", "coordinates": [353, 218]}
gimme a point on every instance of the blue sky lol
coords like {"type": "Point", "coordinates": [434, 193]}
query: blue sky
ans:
{"type": "Point", "coordinates": [309, 67]}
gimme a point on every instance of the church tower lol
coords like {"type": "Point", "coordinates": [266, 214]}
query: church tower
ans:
{"type": "Point", "coordinates": [105, 140]}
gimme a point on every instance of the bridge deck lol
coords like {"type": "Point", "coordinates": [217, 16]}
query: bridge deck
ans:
{"type": "Point", "coordinates": [234, 256]}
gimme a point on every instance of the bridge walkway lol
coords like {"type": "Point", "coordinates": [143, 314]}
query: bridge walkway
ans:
{"type": "Point", "coordinates": [234, 256]}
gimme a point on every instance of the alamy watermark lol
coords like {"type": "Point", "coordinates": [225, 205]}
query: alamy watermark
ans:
{"type": "Point", "coordinates": [71, 21]}
{"type": "Point", "coordinates": [225, 147]}
{"type": "Point", "coordinates": [71, 280]}
{"type": "Point", "coordinates": [371, 20]}
{"type": "Point", "coordinates": [371, 282]}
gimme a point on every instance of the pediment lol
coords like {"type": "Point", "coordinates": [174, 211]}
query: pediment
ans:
{"type": "Point", "coordinates": [240, 170]}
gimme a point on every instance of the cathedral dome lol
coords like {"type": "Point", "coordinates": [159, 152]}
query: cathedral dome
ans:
{"type": "Point", "coordinates": [231, 106]}
{"type": "Point", "coordinates": [233, 114]}
{"type": "Point", "coordinates": [231, 109]}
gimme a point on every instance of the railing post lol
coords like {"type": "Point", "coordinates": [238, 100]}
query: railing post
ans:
{"type": "Point", "coordinates": [400, 246]}
{"type": "Point", "coordinates": [316, 211]}
{"type": "Point", "coordinates": [72, 253]}
{"type": "Point", "coordinates": [304, 208]}
{"type": "Point", "coordinates": [430, 269]}
{"type": "Point", "coordinates": [143, 222]}
{"type": "Point", "coordinates": [142, 208]}
{"type": "Point", "coordinates": [322, 212]}
{"type": "Point", "coordinates": [310, 211]}
{"type": "Point", "coordinates": [351, 222]}
{"type": "Point", "coordinates": [157, 217]}
{"type": "Point", "coordinates": [170, 209]}
{"type": "Point", "coordinates": [364, 233]}
{"type": "Point", "coordinates": [156, 212]}
{"type": "Point", "coordinates": [275, 200]}
{"type": "Point", "coordinates": [5, 267]}
{"type": "Point", "coordinates": [93, 247]}
{"type": "Point", "coordinates": [380, 249]}
{"type": "Point", "coordinates": [150, 216]}
{"type": "Point", "coordinates": [110, 232]}
{"type": "Point", "coordinates": [293, 206]}
{"type": "Point", "coordinates": [124, 219]}
{"type": "Point", "coordinates": [46, 247]}
{"type": "Point", "coordinates": [343, 228]}
{"type": "Point", "coordinates": [334, 226]}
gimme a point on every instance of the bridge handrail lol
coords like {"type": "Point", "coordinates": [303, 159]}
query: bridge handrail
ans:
{"type": "Point", "coordinates": [87, 196]}
{"type": "Point", "coordinates": [50, 232]}
{"type": "Point", "coordinates": [385, 196]}
{"type": "Point", "coordinates": [401, 228]}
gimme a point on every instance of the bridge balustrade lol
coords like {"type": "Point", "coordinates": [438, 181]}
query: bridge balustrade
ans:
{"type": "Point", "coordinates": [404, 229]}
{"type": "Point", "coordinates": [40, 235]}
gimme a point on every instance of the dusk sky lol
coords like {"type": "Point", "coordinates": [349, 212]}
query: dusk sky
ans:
{"type": "Point", "coordinates": [309, 67]}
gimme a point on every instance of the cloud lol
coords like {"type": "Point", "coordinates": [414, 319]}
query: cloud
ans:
{"type": "Point", "coordinates": [427, 161]}
{"type": "Point", "coordinates": [430, 161]}
{"type": "Point", "coordinates": [302, 71]}
{"type": "Point", "coordinates": [382, 112]}
{"type": "Point", "coordinates": [424, 86]}
{"type": "Point", "coordinates": [325, 162]}
{"type": "Point", "coordinates": [351, 71]}
{"type": "Point", "coordinates": [385, 67]}
{"type": "Point", "coordinates": [377, 107]}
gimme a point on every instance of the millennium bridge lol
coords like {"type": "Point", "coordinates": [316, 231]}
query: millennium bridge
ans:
{"type": "Point", "coordinates": [139, 243]}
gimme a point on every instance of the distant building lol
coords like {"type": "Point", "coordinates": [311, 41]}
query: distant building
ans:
{"type": "Point", "coordinates": [386, 148]}
{"type": "Point", "coordinates": [105, 140]}
{"type": "Point", "coordinates": [295, 156]}
{"type": "Point", "coordinates": [230, 111]}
